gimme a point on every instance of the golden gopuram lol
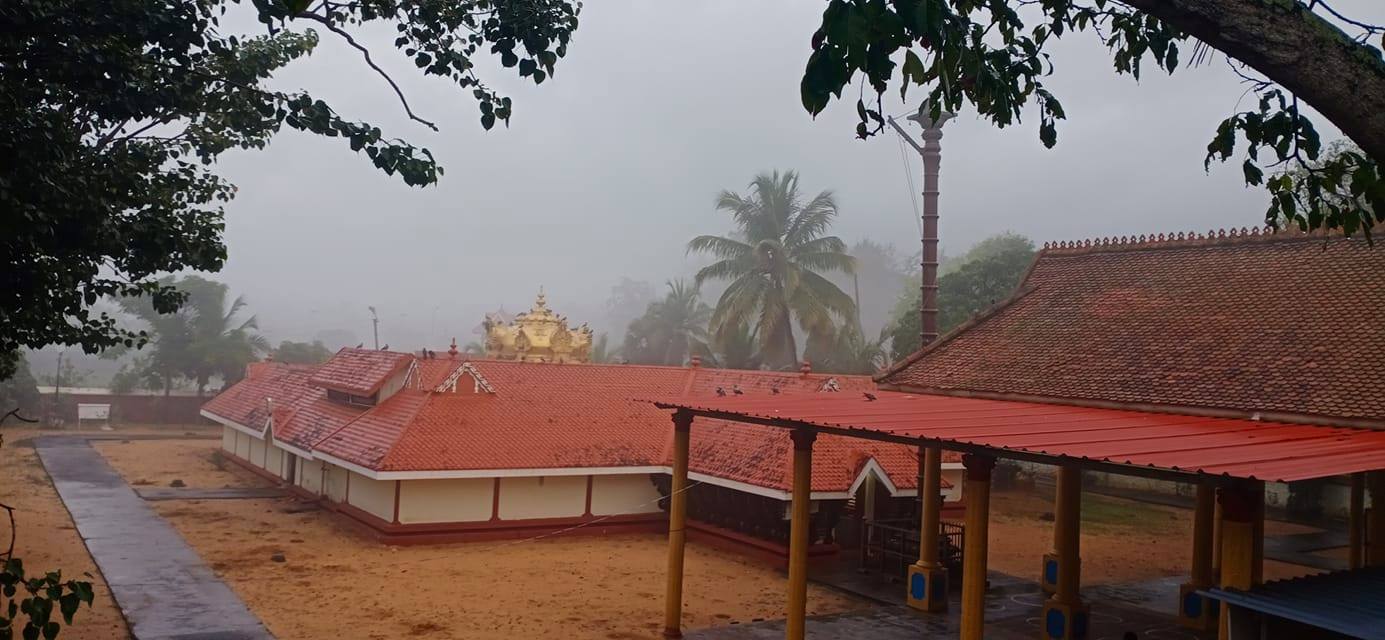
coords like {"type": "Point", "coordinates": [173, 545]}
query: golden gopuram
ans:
{"type": "Point", "coordinates": [537, 335]}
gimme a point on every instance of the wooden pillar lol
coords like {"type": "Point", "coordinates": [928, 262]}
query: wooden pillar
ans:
{"type": "Point", "coordinates": [798, 533]}
{"type": "Point", "coordinates": [1064, 616]}
{"type": "Point", "coordinates": [1356, 525]}
{"type": "Point", "coordinates": [1375, 520]}
{"type": "Point", "coordinates": [1048, 574]}
{"type": "Point", "coordinates": [1195, 611]}
{"type": "Point", "coordinates": [978, 492]}
{"type": "Point", "coordinates": [1240, 503]}
{"type": "Point", "coordinates": [677, 523]}
{"type": "Point", "coordinates": [928, 577]}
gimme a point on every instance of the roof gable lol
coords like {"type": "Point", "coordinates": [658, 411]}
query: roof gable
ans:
{"type": "Point", "coordinates": [359, 371]}
{"type": "Point", "coordinates": [1285, 324]}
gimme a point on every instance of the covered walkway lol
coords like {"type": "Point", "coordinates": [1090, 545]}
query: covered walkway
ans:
{"type": "Point", "coordinates": [1228, 460]}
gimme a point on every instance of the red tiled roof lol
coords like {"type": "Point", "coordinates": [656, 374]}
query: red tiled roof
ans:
{"type": "Point", "coordinates": [1050, 433]}
{"type": "Point", "coordinates": [1286, 325]}
{"type": "Point", "coordinates": [545, 416]}
{"type": "Point", "coordinates": [359, 371]}
{"type": "Point", "coordinates": [246, 402]}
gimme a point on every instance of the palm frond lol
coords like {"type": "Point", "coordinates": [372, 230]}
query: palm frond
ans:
{"type": "Point", "coordinates": [719, 246]}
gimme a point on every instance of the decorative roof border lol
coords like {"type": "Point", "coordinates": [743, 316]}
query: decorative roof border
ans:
{"type": "Point", "coordinates": [449, 384]}
{"type": "Point", "coordinates": [1232, 235]}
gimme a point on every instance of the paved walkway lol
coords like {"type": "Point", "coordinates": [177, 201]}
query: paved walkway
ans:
{"type": "Point", "coordinates": [162, 586]}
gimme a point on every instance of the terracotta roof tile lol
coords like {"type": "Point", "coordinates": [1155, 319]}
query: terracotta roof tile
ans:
{"type": "Point", "coordinates": [359, 371]}
{"type": "Point", "coordinates": [563, 416]}
{"type": "Point", "coordinates": [1246, 323]}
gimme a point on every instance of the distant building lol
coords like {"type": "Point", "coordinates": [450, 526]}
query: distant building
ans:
{"type": "Point", "coordinates": [424, 449]}
{"type": "Point", "coordinates": [538, 335]}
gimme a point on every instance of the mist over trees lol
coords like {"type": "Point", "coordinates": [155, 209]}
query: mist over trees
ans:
{"type": "Point", "coordinates": [205, 338]}
{"type": "Point", "coordinates": [775, 263]}
{"type": "Point", "coordinates": [985, 275]}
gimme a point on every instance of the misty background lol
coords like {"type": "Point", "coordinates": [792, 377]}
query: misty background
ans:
{"type": "Point", "coordinates": [612, 165]}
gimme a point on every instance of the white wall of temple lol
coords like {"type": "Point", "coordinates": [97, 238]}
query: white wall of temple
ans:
{"type": "Point", "coordinates": [274, 460]}
{"type": "Point", "coordinates": [455, 500]}
{"type": "Point", "coordinates": [543, 497]}
{"type": "Point", "coordinates": [334, 482]}
{"type": "Point", "coordinates": [257, 452]}
{"type": "Point", "coordinates": [228, 439]}
{"type": "Point", "coordinates": [310, 475]}
{"type": "Point", "coordinates": [243, 446]}
{"type": "Point", "coordinates": [375, 497]}
{"type": "Point", "coordinates": [620, 494]}
{"type": "Point", "coordinates": [954, 477]}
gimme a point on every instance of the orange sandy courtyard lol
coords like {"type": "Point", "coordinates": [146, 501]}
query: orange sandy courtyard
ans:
{"type": "Point", "coordinates": [334, 582]}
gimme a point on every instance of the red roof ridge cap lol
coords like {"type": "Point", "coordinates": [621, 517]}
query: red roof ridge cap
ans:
{"type": "Point", "coordinates": [1213, 237]}
{"type": "Point", "coordinates": [408, 424]}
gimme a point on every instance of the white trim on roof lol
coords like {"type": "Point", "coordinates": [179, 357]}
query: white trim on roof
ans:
{"type": "Point", "coordinates": [871, 467]}
{"type": "Point", "coordinates": [232, 424]}
{"type": "Point", "coordinates": [486, 473]}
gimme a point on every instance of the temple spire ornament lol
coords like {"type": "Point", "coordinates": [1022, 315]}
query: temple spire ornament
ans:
{"type": "Point", "coordinates": [537, 335]}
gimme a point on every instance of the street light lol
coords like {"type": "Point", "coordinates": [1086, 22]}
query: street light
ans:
{"type": "Point", "coordinates": [931, 152]}
{"type": "Point", "coordinates": [375, 326]}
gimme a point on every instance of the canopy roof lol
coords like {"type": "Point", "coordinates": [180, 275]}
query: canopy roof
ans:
{"type": "Point", "coordinates": [1122, 441]}
{"type": "Point", "coordinates": [1347, 602]}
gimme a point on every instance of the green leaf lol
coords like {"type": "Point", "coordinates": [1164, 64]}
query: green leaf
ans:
{"type": "Point", "coordinates": [1252, 172]}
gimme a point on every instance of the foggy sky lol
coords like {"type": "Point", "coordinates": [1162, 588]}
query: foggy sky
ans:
{"type": "Point", "coordinates": [608, 168]}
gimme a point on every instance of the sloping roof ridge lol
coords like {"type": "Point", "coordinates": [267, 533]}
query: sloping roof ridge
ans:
{"type": "Point", "coordinates": [367, 411]}
{"type": "Point", "coordinates": [1190, 410]}
{"type": "Point", "coordinates": [409, 424]}
{"type": "Point", "coordinates": [1183, 239]}
{"type": "Point", "coordinates": [986, 314]}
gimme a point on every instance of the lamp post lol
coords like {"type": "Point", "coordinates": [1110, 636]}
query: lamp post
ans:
{"type": "Point", "coordinates": [931, 152]}
{"type": "Point", "coordinates": [375, 326]}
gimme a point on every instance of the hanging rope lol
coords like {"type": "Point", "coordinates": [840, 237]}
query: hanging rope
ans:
{"type": "Point", "coordinates": [909, 178]}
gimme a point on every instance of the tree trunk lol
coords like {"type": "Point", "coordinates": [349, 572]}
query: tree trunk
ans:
{"type": "Point", "coordinates": [1296, 48]}
{"type": "Point", "coordinates": [790, 345]}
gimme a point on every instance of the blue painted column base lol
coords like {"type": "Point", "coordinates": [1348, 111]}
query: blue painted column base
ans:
{"type": "Point", "coordinates": [1064, 621]}
{"type": "Point", "coordinates": [927, 588]}
{"type": "Point", "coordinates": [1048, 574]}
{"type": "Point", "coordinates": [1195, 611]}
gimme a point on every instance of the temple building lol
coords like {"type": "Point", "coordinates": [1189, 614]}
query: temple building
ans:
{"type": "Point", "coordinates": [538, 335]}
{"type": "Point", "coordinates": [426, 448]}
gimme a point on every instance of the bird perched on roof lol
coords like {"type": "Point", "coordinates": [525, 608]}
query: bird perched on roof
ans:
{"type": "Point", "coordinates": [870, 397]}
{"type": "Point", "coordinates": [736, 389]}
{"type": "Point", "coordinates": [721, 391]}
{"type": "Point", "coordinates": [360, 346]}
{"type": "Point", "coordinates": [385, 348]}
{"type": "Point", "coordinates": [774, 391]}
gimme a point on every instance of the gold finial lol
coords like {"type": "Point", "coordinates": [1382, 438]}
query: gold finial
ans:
{"type": "Point", "coordinates": [541, 301]}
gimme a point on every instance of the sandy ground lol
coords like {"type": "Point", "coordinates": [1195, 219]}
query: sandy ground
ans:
{"type": "Point", "coordinates": [197, 463]}
{"type": "Point", "coordinates": [577, 587]}
{"type": "Point", "coordinates": [1122, 540]}
{"type": "Point", "coordinates": [335, 583]}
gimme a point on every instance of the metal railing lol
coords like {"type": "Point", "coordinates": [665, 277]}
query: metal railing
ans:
{"type": "Point", "coordinates": [890, 546]}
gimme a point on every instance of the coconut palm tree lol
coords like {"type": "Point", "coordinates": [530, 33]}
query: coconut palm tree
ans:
{"type": "Point", "coordinates": [774, 264]}
{"type": "Point", "coordinates": [671, 330]}
{"type": "Point", "coordinates": [203, 338]}
{"type": "Point", "coordinates": [221, 345]}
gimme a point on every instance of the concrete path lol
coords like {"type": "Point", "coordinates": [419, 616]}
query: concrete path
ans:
{"type": "Point", "coordinates": [194, 493]}
{"type": "Point", "coordinates": [164, 589]}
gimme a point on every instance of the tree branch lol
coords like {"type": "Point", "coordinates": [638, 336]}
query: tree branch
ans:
{"type": "Point", "coordinates": [1297, 49]}
{"type": "Point", "coordinates": [366, 54]}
